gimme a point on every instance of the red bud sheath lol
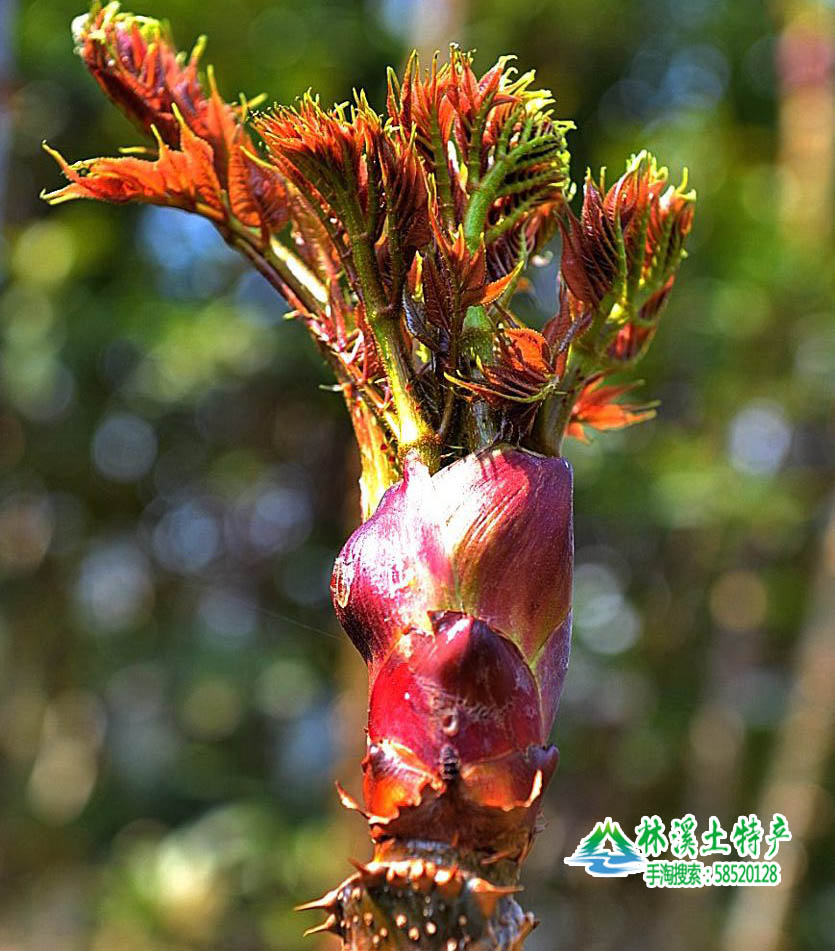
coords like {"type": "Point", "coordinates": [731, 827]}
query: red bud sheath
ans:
{"type": "Point", "coordinates": [457, 591]}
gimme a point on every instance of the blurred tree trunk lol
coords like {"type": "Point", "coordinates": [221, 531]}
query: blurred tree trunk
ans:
{"type": "Point", "coordinates": [805, 65]}
{"type": "Point", "coordinates": [792, 786]}
{"type": "Point", "coordinates": [7, 18]}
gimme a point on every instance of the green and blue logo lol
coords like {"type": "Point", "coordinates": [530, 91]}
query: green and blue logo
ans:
{"type": "Point", "coordinates": [606, 852]}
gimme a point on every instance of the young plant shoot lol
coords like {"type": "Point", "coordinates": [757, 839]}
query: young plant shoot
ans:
{"type": "Point", "coordinates": [399, 239]}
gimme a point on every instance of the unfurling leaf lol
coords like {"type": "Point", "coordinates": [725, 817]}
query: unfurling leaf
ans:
{"type": "Point", "coordinates": [597, 407]}
{"type": "Point", "coordinates": [520, 375]}
{"type": "Point", "coordinates": [183, 178]}
{"type": "Point", "coordinates": [490, 144]}
{"type": "Point", "coordinates": [257, 192]}
{"type": "Point", "coordinates": [333, 154]}
{"type": "Point", "coordinates": [627, 244]}
{"type": "Point", "coordinates": [135, 62]}
{"type": "Point", "coordinates": [204, 161]}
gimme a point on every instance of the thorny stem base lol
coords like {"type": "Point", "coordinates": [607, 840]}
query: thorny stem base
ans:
{"type": "Point", "coordinates": [427, 896]}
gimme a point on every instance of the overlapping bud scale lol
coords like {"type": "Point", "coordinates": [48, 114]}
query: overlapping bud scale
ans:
{"type": "Point", "coordinates": [457, 592]}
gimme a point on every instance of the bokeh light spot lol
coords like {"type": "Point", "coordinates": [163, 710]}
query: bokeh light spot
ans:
{"type": "Point", "coordinates": [114, 588]}
{"type": "Point", "coordinates": [739, 601]}
{"type": "Point", "coordinates": [212, 709]}
{"type": "Point", "coordinates": [45, 252]}
{"type": "Point", "coordinates": [759, 438]}
{"type": "Point", "coordinates": [124, 447]}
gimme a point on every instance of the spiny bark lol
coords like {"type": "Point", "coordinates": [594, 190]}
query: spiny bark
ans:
{"type": "Point", "coordinates": [424, 896]}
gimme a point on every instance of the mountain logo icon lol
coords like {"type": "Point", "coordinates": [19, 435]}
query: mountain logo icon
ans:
{"type": "Point", "coordinates": [606, 852]}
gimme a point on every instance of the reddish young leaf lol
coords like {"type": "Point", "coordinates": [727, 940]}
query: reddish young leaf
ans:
{"type": "Point", "coordinates": [631, 235]}
{"type": "Point", "coordinates": [518, 378]}
{"type": "Point", "coordinates": [589, 264]}
{"type": "Point", "coordinates": [449, 103]}
{"type": "Point", "coordinates": [418, 109]}
{"type": "Point", "coordinates": [203, 163]}
{"type": "Point", "coordinates": [183, 179]}
{"type": "Point", "coordinates": [257, 192]}
{"type": "Point", "coordinates": [135, 62]}
{"type": "Point", "coordinates": [527, 236]}
{"type": "Point", "coordinates": [455, 279]}
{"type": "Point", "coordinates": [406, 198]}
{"type": "Point", "coordinates": [328, 153]}
{"type": "Point", "coordinates": [596, 407]}
{"type": "Point", "coordinates": [477, 108]}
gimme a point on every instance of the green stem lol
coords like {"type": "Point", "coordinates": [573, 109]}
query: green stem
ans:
{"type": "Point", "coordinates": [379, 467]}
{"type": "Point", "coordinates": [477, 329]}
{"type": "Point", "coordinates": [413, 432]}
{"type": "Point", "coordinates": [442, 174]}
{"type": "Point", "coordinates": [278, 269]}
{"type": "Point", "coordinates": [476, 140]}
{"type": "Point", "coordinates": [477, 208]}
{"type": "Point", "coordinates": [555, 413]}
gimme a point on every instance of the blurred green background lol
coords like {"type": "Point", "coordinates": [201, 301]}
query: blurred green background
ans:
{"type": "Point", "coordinates": [175, 697]}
